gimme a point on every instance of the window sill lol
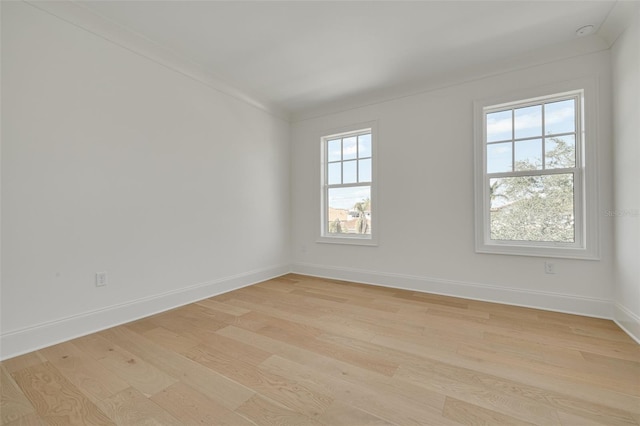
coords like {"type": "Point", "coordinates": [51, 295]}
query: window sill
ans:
{"type": "Point", "coordinates": [356, 241]}
{"type": "Point", "coordinates": [549, 252]}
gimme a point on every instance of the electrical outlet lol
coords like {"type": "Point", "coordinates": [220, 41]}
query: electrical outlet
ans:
{"type": "Point", "coordinates": [101, 279]}
{"type": "Point", "coordinates": [549, 268]}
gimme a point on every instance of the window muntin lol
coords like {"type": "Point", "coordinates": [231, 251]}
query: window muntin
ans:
{"type": "Point", "coordinates": [347, 185]}
{"type": "Point", "coordinates": [530, 171]}
{"type": "Point", "coordinates": [531, 191]}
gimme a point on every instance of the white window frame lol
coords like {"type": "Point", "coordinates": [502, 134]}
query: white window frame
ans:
{"type": "Point", "coordinates": [355, 239]}
{"type": "Point", "coordinates": [586, 245]}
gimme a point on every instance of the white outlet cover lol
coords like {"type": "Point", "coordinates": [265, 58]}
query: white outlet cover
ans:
{"type": "Point", "coordinates": [101, 279]}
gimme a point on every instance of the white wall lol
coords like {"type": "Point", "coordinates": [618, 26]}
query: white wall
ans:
{"type": "Point", "coordinates": [425, 193]}
{"type": "Point", "coordinates": [626, 217]}
{"type": "Point", "coordinates": [112, 162]}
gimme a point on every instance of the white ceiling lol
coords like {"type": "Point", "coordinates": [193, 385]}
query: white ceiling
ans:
{"type": "Point", "coordinates": [300, 55]}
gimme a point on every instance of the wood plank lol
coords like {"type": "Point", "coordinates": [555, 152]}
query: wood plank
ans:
{"type": "Point", "coordinates": [631, 367]}
{"type": "Point", "coordinates": [13, 403]}
{"type": "Point", "coordinates": [466, 385]}
{"type": "Point", "coordinates": [605, 378]}
{"type": "Point", "coordinates": [567, 419]}
{"type": "Point", "coordinates": [192, 407]}
{"type": "Point", "coordinates": [510, 397]}
{"type": "Point", "coordinates": [208, 382]}
{"type": "Point", "coordinates": [472, 415]}
{"type": "Point", "coordinates": [586, 393]}
{"type": "Point", "coordinates": [142, 325]}
{"type": "Point", "coordinates": [31, 419]}
{"type": "Point", "coordinates": [526, 348]}
{"type": "Point", "coordinates": [295, 305]}
{"type": "Point", "coordinates": [130, 407]}
{"type": "Point", "coordinates": [23, 361]}
{"type": "Point", "coordinates": [307, 350]}
{"type": "Point", "coordinates": [340, 414]}
{"type": "Point", "coordinates": [213, 342]}
{"type": "Point", "coordinates": [127, 366]}
{"type": "Point", "coordinates": [319, 295]}
{"type": "Point", "coordinates": [285, 391]}
{"type": "Point", "coordinates": [181, 322]}
{"type": "Point", "coordinates": [385, 398]}
{"type": "Point", "coordinates": [170, 340]}
{"type": "Point", "coordinates": [325, 323]}
{"type": "Point", "coordinates": [391, 400]}
{"type": "Point", "coordinates": [304, 337]}
{"type": "Point", "coordinates": [87, 374]}
{"type": "Point", "coordinates": [263, 411]}
{"type": "Point", "coordinates": [56, 399]}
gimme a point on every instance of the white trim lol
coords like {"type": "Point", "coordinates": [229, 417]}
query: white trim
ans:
{"type": "Point", "coordinates": [627, 321]}
{"type": "Point", "coordinates": [352, 239]}
{"type": "Point", "coordinates": [575, 48]}
{"type": "Point", "coordinates": [557, 302]}
{"type": "Point", "coordinates": [28, 339]}
{"type": "Point", "coordinates": [585, 186]}
{"type": "Point", "coordinates": [619, 18]}
{"type": "Point", "coordinates": [74, 13]}
{"type": "Point", "coordinates": [356, 241]}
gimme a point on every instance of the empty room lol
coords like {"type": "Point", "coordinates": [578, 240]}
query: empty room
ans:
{"type": "Point", "coordinates": [320, 213]}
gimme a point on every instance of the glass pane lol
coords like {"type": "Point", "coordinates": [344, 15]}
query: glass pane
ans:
{"type": "Point", "coordinates": [349, 148]}
{"type": "Point", "coordinates": [499, 157]}
{"type": "Point", "coordinates": [560, 152]}
{"type": "Point", "coordinates": [528, 121]}
{"type": "Point", "coordinates": [364, 170]}
{"type": "Point", "coordinates": [528, 155]}
{"type": "Point", "coordinates": [364, 145]}
{"type": "Point", "coordinates": [334, 150]}
{"type": "Point", "coordinates": [349, 210]}
{"type": "Point", "coordinates": [532, 208]}
{"type": "Point", "coordinates": [334, 173]}
{"type": "Point", "coordinates": [560, 117]}
{"type": "Point", "coordinates": [499, 126]}
{"type": "Point", "coordinates": [349, 172]}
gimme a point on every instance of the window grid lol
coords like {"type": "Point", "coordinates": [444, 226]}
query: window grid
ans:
{"type": "Point", "coordinates": [544, 170]}
{"type": "Point", "coordinates": [341, 161]}
{"type": "Point", "coordinates": [543, 136]}
{"type": "Point", "coordinates": [361, 158]}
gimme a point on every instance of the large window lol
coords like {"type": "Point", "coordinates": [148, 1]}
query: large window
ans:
{"type": "Point", "coordinates": [347, 187]}
{"type": "Point", "coordinates": [530, 189]}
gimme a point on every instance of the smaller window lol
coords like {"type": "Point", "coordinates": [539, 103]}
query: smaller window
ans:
{"type": "Point", "coordinates": [347, 187]}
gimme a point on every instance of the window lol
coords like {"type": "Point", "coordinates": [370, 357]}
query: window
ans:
{"type": "Point", "coordinates": [347, 187]}
{"type": "Point", "coordinates": [530, 178]}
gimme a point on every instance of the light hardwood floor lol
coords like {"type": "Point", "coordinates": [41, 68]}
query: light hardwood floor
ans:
{"type": "Point", "coordinates": [298, 350]}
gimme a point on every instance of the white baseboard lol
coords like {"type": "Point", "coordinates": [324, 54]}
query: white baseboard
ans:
{"type": "Point", "coordinates": [18, 342]}
{"type": "Point", "coordinates": [558, 302]}
{"type": "Point", "coordinates": [627, 320]}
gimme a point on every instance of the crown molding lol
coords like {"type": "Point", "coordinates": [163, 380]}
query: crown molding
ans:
{"type": "Point", "coordinates": [74, 13]}
{"type": "Point", "coordinates": [577, 47]}
{"type": "Point", "coordinates": [619, 18]}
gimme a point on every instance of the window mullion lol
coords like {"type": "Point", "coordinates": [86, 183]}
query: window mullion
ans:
{"type": "Point", "coordinates": [532, 212]}
{"type": "Point", "coordinates": [513, 139]}
{"type": "Point", "coordinates": [341, 198]}
{"type": "Point", "coordinates": [544, 139]}
{"type": "Point", "coordinates": [348, 185]}
{"type": "Point", "coordinates": [521, 173]}
{"type": "Point", "coordinates": [341, 160]}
